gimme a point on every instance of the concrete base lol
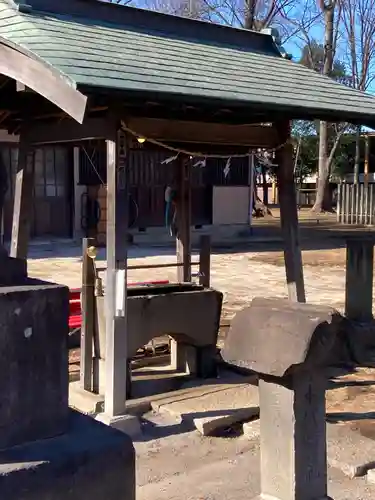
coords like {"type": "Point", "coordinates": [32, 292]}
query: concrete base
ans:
{"type": "Point", "coordinates": [85, 401]}
{"type": "Point", "coordinates": [89, 461]}
{"type": "Point", "coordinates": [128, 424]}
{"type": "Point", "coordinates": [91, 404]}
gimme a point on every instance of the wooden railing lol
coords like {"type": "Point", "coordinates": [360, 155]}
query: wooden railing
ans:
{"type": "Point", "coordinates": [356, 204]}
{"type": "Point", "coordinates": [203, 263]}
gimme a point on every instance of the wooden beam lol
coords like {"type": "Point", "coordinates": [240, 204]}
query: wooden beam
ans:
{"type": "Point", "coordinates": [88, 316]}
{"type": "Point", "coordinates": [23, 200]}
{"type": "Point", "coordinates": [201, 132]}
{"type": "Point", "coordinates": [69, 131]}
{"type": "Point", "coordinates": [289, 217]}
{"type": "Point", "coordinates": [116, 299]}
{"type": "Point", "coordinates": [183, 202]}
{"type": "Point", "coordinates": [32, 72]}
{"type": "Point", "coordinates": [20, 87]}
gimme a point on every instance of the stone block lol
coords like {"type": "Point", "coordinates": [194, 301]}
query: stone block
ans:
{"type": "Point", "coordinates": [371, 476]}
{"type": "Point", "coordinates": [90, 461]}
{"type": "Point", "coordinates": [33, 362]}
{"type": "Point", "coordinates": [259, 334]}
{"type": "Point", "coordinates": [211, 407]}
{"type": "Point", "coordinates": [251, 430]}
{"type": "Point", "coordinates": [129, 424]}
{"type": "Point", "coordinates": [12, 271]}
{"type": "Point", "coordinates": [189, 313]}
{"type": "Point", "coordinates": [289, 345]}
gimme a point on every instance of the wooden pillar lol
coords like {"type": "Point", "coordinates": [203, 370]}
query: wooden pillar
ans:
{"type": "Point", "coordinates": [116, 310]}
{"type": "Point", "coordinates": [88, 316]}
{"type": "Point", "coordinates": [205, 260]}
{"type": "Point", "coordinates": [359, 279]}
{"type": "Point", "coordinates": [79, 191]}
{"type": "Point", "coordinates": [367, 159]}
{"type": "Point", "coordinates": [23, 201]}
{"type": "Point", "coordinates": [274, 192]}
{"type": "Point", "coordinates": [289, 217]}
{"type": "Point", "coordinates": [183, 241]}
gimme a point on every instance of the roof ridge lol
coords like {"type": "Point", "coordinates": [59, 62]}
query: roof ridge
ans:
{"type": "Point", "coordinates": [137, 18]}
{"type": "Point", "coordinates": [20, 5]}
{"type": "Point", "coordinates": [15, 5]}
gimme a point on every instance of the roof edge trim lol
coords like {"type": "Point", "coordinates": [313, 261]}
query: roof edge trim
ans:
{"type": "Point", "coordinates": [33, 72]}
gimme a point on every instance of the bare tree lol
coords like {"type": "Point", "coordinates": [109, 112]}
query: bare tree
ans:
{"type": "Point", "coordinates": [252, 14]}
{"type": "Point", "coordinates": [358, 20]}
{"type": "Point", "coordinates": [329, 8]}
{"type": "Point", "coordinates": [195, 9]}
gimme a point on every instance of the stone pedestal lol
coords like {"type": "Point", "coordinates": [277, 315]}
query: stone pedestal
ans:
{"type": "Point", "coordinates": [359, 279]}
{"type": "Point", "coordinates": [47, 452]}
{"type": "Point", "coordinates": [90, 460]}
{"type": "Point", "coordinates": [33, 362]}
{"type": "Point", "coordinates": [289, 345]}
{"type": "Point", "coordinates": [293, 437]}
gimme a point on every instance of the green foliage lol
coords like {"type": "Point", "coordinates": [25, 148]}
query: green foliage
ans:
{"type": "Point", "coordinates": [313, 57]}
{"type": "Point", "coordinates": [304, 134]}
{"type": "Point", "coordinates": [345, 156]}
{"type": "Point", "coordinates": [305, 146]}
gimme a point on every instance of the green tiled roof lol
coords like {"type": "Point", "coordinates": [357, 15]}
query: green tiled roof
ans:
{"type": "Point", "coordinates": [128, 57]}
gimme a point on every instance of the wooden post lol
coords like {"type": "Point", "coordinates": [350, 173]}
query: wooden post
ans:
{"type": "Point", "coordinates": [367, 158]}
{"type": "Point", "coordinates": [366, 209]}
{"type": "Point", "coordinates": [359, 278]}
{"type": "Point", "coordinates": [371, 203]}
{"type": "Point", "coordinates": [183, 243]}
{"type": "Point", "coordinates": [352, 203]}
{"type": "Point", "coordinates": [251, 193]}
{"type": "Point", "coordinates": [361, 197]}
{"type": "Point", "coordinates": [79, 190]}
{"type": "Point", "coordinates": [23, 201]}
{"type": "Point", "coordinates": [347, 203]}
{"type": "Point", "coordinates": [116, 310]}
{"type": "Point", "coordinates": [289, 217]}
{"type": "Point", "coordinates": [357, 204]}
{"type": "Point", "coordinates": [88, 316]}
{"type": "Point", "coordinates": [339, 202]}
{"type": "Point", "coordinates": [205, 260]}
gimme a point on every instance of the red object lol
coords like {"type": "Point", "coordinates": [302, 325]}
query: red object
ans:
{"type": "Point", "coordinates": [75, 311]}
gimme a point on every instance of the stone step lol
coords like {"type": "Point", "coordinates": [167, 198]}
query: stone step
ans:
{"type": "Point", "coordinates": [213, 406]}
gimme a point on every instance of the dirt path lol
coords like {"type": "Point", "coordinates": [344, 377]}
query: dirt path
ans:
{"type": "Point", "coordinates": [240, 276]}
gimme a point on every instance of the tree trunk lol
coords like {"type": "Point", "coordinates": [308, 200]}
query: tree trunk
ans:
{"type": "Point", "coordinates": [250, 14]}
{"type": "Point", "coordinates": [323, 202]}
{"type": "Point", "coordinates": [323, 172]}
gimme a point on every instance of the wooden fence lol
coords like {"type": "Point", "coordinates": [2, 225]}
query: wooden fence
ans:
{"type": "Point", "coordinates": [356, 204]}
